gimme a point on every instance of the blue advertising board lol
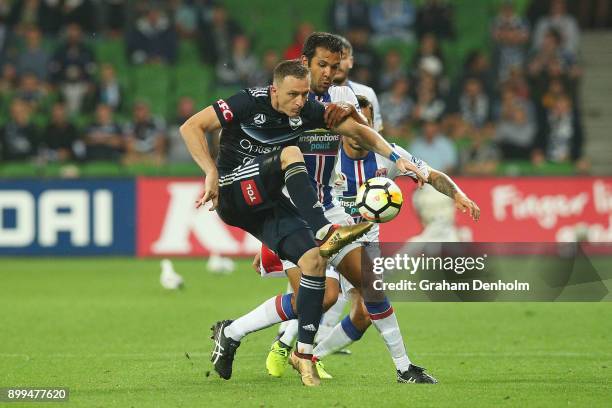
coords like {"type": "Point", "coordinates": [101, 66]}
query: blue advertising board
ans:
{"type": "Point", "coordinates": [67, 217]}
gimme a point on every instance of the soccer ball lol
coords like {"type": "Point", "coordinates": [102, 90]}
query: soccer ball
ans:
{"type": "Point", "coordinates": [379, 199]}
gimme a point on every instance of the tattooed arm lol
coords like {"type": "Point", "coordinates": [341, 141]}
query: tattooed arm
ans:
{"type": "Point", "coordinates": [445, 185]}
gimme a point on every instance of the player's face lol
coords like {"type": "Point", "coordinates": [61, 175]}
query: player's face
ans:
{"type": "Point", "coordinates": [323, 67]}
{"type": "Point", "coordinates": [291, 94]}
{"type": "Point", "coordinates": [346, 63]}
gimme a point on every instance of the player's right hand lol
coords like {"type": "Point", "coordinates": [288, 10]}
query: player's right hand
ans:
{"type": "Point", "coordinates": [256, 262]}
{"type": "Point", "coordinates": [211, 192]}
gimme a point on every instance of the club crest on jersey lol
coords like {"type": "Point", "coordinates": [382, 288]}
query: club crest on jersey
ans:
{"type": "Point", "coordinates": [381, 173]}
{"type": "Point", "coordinates": [295, 122]}
{"type": "Point", "coordinates": [260, 119]}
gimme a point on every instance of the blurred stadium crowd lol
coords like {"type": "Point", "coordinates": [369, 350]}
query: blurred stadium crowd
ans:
{"type": "Point", "coordinates": [77, 79]}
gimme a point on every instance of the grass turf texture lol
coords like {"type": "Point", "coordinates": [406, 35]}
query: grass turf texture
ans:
{"type": "Point", "coordinates": [108, 331]}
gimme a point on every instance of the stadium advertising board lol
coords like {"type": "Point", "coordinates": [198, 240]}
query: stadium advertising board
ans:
{"type": "Point", "coordinates": [539, 209]}
{"type": "Point", "coordinates": [513, 210]}
{"type": "Point", "coordinates": [170, 224]}
{"type": "Point", "coordinates": [67, 217]}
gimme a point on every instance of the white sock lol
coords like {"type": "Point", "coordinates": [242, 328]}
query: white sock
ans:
{"type": "Point", "coordinates": [388, 328]}
{"type": "Point", "coordinates": [336, 340]}
{"type": "Point", "coordinates": [330, 319]}
{"type": "Point", "coordinates": [272, 311]}
{"type": "Point", "coordinates": [304, 348]}
{"type": "Point", "coordinates": [282, 327]}
{"type": "Point", "coordinates": [291, 332]}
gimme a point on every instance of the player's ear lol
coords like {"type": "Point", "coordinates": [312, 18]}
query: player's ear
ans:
{"type": "Point", "coordinates": [304, 60]}
{"type": "Point", "coordinates": [273, 89]}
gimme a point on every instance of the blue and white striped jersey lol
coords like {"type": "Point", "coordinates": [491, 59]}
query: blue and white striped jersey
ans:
{"type": "Point", "coordinates": [352, 173]}
{"type": "Point", "coordinates": [320, 146]}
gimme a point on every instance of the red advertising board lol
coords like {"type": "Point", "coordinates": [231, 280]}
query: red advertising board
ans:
{"type": "Point", "coordinates": [513, 210]}
{"type": "Point", "coordinates": [170, 224]}
{"type": "Point", "coordinates": [524, 210]}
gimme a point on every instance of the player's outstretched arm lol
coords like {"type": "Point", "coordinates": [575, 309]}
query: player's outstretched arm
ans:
{"type": "Point", "coordinates": [371, 140]}
{"type": "Point", "coordinates": [445, 185]}
{"type": "Point", "coordinates": [194, 132]}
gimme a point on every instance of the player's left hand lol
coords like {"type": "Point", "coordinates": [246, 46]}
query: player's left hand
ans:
{"type": "Point", "coordinates": [405, 166]}
{"type": "Point", "coordinates": [463, 203]}
{"type": "Point", "coordinates": [337, 112]}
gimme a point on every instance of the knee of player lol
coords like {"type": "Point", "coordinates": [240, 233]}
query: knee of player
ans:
{"type": "Point", "coordinates": [291, 154]}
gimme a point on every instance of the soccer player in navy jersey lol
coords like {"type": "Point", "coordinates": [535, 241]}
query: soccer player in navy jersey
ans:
{"type": "Point", "coordinates": [258, 159]}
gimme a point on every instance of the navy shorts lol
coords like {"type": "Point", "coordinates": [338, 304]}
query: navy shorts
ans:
{"type": "Point", "coordinates": [251, 198]}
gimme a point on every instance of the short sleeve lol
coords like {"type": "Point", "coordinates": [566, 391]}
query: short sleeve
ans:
{"type": "Point", "coordinates": [346, 94]}
{"type": "Point", "coordinates": [314, 114]}
{"type": "Point", "coordinates": [233, 108]}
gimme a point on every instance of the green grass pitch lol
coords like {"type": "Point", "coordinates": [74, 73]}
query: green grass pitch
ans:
{"type": "Point", "coordinates": [107, 330]}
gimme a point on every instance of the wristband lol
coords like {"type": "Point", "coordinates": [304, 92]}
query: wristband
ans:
{"type": "Point", "coordinates": [394, 156]}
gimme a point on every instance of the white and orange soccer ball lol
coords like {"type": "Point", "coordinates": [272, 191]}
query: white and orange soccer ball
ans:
{"type": "Point", "coordinates": [379, 199]}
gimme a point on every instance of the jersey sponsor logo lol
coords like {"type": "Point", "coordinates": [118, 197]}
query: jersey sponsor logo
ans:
{"type": "Point", "coordinates": [259, 119]}
{"type": "Point", "coordinates": [295, 122]}
{"type": "Point", "coordinates": [250, 147]}
{"type": "Point", "coordinates": [250, 192]}
{"type": "Point", "coordinates": [381, 172]}
{"type": "Point", "coordinates": [319, 142]}
{"type": "Point", "coordinates": [227, 113]}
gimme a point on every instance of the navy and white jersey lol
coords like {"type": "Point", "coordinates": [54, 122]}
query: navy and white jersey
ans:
{"type": "Point", "coordinates": [252, 127]}
{"type": "Point", "coordinates": [354, 172]}
{"type": "Point", "coordinates": [320, 146]}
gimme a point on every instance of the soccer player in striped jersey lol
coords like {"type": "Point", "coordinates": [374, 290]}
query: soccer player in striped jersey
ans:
{"type": "Point", "coordinates": [354, 167]}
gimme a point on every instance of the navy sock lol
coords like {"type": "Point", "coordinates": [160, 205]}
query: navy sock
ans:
{"type": "Point", "coordinates": [309, 304]}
